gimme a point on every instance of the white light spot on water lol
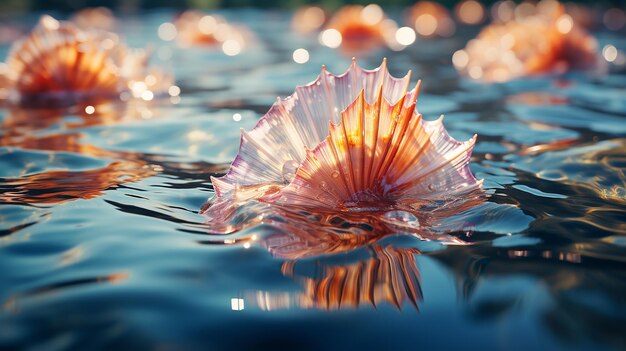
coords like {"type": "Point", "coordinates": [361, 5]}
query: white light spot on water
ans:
{"type": "Point", "coordinates": [167, 31]}
{"type": "Point", "coordinates": [90, 110]}
{"type": "Point", "coordinates": [301, 56]}
{"type": "Point", "coordinates": [460, 59]}
{"type": "Point", "coordinates": [331, 38]}
{"type": "Point", "coordinates": [564, 24]}
{"type": "Point", "coordinates": [405, 36]}
{"type": "Point", "coordinates": [231, 47]}
{"type": "Point", "coordinates": [237, 117]}
{"type": "Point", "coordinates": [610, 53]}
{"type": "Point", "coordinates": [236, 304]}
{"type": "Point", "coordinates": [147, 95]}
{"type": "Point", "coordinates": [173, 90]}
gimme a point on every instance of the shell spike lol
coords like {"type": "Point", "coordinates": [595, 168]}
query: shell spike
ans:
{"type": "Point", "coordinates": [383, 65]}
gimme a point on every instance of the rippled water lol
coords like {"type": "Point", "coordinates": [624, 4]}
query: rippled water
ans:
{"type": "Point", "coordinates": [102, 246]}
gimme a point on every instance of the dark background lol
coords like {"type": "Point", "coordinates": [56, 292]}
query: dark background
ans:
{"type": "Point", "coordinates": [15, 6]}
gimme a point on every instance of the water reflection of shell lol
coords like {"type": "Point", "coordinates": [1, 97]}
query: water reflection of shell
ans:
{"type": "Point", "coordinates": [390, 275]}
{"type": "Point", "coordinates": [58, 63]}
{"type": "Point", "coordinates": [539, 40]}
{"type": "Point", "coordinates": [351, 143]}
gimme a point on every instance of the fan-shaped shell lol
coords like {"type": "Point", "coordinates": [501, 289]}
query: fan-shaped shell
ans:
{"type": "Point", "coordinates": [348, 143]}
{"type": "Point", "coordinates": [60, 63]}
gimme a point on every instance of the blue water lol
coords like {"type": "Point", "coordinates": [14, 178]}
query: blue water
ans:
{"type": "Point", "coordinates": [102, 245]}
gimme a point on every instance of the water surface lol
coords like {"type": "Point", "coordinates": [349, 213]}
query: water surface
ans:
{"type": "Point", "coordinates": [102, 245]}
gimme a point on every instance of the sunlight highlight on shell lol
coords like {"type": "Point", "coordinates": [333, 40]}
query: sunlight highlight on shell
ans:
{"type": "Point", "coordinates": [61, 64]}
{"type": "Point", "coordinates": [539, 39]}
{"type": "Point", "coordinates": [350, 143]}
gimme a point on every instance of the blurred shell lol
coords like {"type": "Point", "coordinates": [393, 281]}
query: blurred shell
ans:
{"type": "Point", "coordinates": [431, 19]}
{"type": "Point", "coordinates": [58, 63]}
{"type": "Point", "coordinates": [362, 28]}
{"type": "Point", "coordinates": [197, 28]}
{"type": "Point", "coordinates": [541, 39]}
{"type": "Point", "coordinates": [352, 142]}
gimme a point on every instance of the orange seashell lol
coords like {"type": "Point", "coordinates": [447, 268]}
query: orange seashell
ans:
{"type": "Point", "coordinates": [58, 63]}
{"type": "Point", "coordinates": [351, 143]}
{"type": "Point", "coordinates": [539, 41]}
{"type": "Point", "coordinates": [361, 28]}
{"type": "Point", "coordinates": [197, 28]}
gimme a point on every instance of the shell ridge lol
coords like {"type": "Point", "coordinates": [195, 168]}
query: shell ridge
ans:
{"type": "Point", "coordinates": [392, 110]}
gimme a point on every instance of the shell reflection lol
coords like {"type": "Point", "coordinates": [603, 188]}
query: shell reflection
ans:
{"type": "Point", "coordinates": [61, 64]}
{"type": "Point", "coordinates": [540, 39]}
{"type": "Point", "coordinates": [390, 275]}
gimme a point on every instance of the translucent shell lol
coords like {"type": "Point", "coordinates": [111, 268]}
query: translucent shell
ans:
{"type": "Point", "coordinates": [351, 142]}
{"type": "Point", "coordinates": [60, 63]}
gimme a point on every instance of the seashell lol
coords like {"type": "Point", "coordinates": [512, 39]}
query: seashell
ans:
{"type": "Point", "coordinates": [350, 143]}
{"type": "Point", "coordinates": [545, 40]}
{"type": "Point", "coordinates": [197, 28]}
{"type": "Point", "coordinates": [58, 63]}
{"type": "Point", "coordinates": [359, 28]}
{"type": "Point", "coordinates": [431, 19]}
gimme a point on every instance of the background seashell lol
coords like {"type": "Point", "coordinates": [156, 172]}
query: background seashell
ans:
{"type": "Point", "coordinates": [547, 40]}
{"type": "Point", "coordinates": [196, 28]}
{"type": "Point", "coordinates": [359, 29]}
{"type": "Point", "coordinates": [58, 63]}
{"type": "Point", "coordinates": [352, 142]}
